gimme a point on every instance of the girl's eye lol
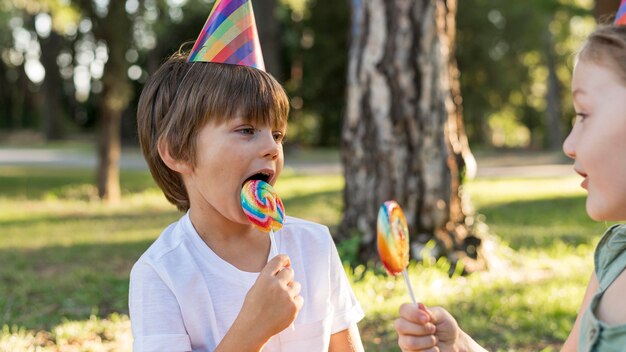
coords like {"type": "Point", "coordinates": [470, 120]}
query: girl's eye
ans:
{"type": "Point", "coordinates": [580, 117]}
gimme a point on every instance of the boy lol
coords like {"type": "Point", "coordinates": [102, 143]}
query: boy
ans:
{"type": "Point", "coordinates": [206, 127]}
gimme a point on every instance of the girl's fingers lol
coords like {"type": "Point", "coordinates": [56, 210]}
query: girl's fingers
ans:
{"type": "Point", "coordinates": [418, 343]}
{"type": "Point", "coordinates": [412, 313]}
{"type": "Point", "coordinates": [406, 327]}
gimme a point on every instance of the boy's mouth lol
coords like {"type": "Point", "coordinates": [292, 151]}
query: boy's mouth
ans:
{"type": "Point", "coordinates": [263, 175]}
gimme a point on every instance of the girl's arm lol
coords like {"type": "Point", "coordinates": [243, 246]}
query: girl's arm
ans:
{"type": "Point", "coordinates": [571, 344]}
{"type": "Point", "coordinates": [348, 340]}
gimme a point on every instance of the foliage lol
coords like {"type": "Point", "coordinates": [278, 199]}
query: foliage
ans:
{"type": "Point", "coordinates": [502, 50]}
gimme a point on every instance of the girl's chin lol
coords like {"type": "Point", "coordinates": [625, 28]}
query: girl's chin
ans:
{"type": "Point", "coordinates": [598, 213]}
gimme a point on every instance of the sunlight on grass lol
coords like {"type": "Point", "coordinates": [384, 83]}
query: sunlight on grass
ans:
{"type": "Point", "coordinates": [489, 192]}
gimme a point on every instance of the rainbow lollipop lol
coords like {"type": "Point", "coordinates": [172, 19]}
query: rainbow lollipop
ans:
{"type": "Point", "coordinates": [393, 241]}
{"type": "Point", "coordinates": [263, 207]}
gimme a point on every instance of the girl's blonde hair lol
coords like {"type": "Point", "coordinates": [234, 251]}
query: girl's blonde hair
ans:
{"type": "Point", "coordinates": [181, 97]}
{"type": "Point", "coordinates": [607, 45]}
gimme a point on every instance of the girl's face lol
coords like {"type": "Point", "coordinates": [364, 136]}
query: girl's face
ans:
{"type": "Point", "coordinates": [597, 142]}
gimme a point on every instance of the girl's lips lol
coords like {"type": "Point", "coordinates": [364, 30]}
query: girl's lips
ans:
{"type": "Point", "coordinates": [584, 176]}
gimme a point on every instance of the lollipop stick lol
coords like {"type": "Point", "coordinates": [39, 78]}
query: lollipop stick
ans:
{"type": "Point", "coordinates": [408, 285]}
{"type": "Point", "coordinates": [273, 243]}
{"type": "Point", "coordinates": [275, 251]}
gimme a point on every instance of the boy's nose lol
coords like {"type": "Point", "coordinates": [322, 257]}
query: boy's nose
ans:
{"type": "Point", "coordinates": [270, 148]}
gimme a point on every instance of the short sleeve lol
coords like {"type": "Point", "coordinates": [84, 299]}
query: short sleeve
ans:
{"type": "Point", "coordinates": [346, 308]}
{"type": "Point", "coordinates": [155, 315]}
{"type": "Point", "coordinates": [610, 255]}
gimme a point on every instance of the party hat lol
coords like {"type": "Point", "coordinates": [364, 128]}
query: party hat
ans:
{"type": "Point", "coordinates": [229, 36]}
{"type": "Point", "coordinates": [620, 17]}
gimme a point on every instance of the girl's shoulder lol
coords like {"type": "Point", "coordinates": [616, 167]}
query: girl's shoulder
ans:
{"type": "Point", "coordinates": [610, 254]}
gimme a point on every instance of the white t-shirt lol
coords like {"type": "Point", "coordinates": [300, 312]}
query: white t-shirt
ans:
{"type": "Point", "coordinates": [183, 297]}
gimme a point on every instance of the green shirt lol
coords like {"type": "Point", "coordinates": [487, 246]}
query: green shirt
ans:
{"type": "Point", "coordinates": [610, 261]}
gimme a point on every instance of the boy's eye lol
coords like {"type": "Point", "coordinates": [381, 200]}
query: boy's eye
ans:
{"type": "Point", "coordinates": [279, 137]}
{"type": "Point", "coordinates": [581, 117]}
{"type": "Point", "coordinates": [247, 130]}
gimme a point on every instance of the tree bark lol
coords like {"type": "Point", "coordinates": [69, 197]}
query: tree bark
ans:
{"type": "Point", "coordinates": [403, 135]}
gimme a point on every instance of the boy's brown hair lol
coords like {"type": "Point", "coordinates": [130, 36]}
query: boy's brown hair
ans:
{"type": "Point", "coordinates": [181, 97]}
{"type": "Point", "coordinates": [607, 45]}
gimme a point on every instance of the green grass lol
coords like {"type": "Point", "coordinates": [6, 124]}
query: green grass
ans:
{"type": "Point", "coordinates": [65, 260]}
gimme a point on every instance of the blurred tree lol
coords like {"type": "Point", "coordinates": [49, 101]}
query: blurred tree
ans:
{"type": "Point", "coordinates": [5, 43]}
{"type": "Point", "coordinates": [403, 136]}
{"type": "Point", "coordinates": [269, 36]}
{"type": "Point", "coordinates": [52, 107]}
{"type": "Point", "coordinates": [113, 25]}
{"type": "Point", "coordinates": [324, 44]}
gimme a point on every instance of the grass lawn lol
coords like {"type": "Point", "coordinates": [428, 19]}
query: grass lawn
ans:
{"type": "Point", "coordinates": [65, 260]}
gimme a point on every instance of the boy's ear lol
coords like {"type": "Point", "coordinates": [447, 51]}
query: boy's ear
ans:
{"type": "Point", "coordinates": [181, 166]}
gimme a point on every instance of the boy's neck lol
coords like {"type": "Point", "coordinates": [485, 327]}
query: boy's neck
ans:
{"type": "Point", "coordinates": [240, 245]}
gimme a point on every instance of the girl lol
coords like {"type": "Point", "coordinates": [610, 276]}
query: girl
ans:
{"type": "Point", "coordinates": [597, 144]}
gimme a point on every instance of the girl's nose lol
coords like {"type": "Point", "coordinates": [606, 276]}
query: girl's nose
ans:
{"type": "Point", "coordinates": [570, 144]}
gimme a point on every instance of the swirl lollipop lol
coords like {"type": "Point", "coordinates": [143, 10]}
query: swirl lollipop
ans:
{"type": "Point", "coordinates": [263, 207]}
{"type": "Point", "coordinates": [393, 241]}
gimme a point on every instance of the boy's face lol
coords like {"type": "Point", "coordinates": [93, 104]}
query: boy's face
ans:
{"type": "Point", "coordinates": [597, 141]}
{"type": "Point", "coordinates": [227, 155]}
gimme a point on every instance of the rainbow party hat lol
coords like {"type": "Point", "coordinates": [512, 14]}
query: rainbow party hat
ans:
{"type": "Point", "coordinates": [229, 36]}
{"type": "Point", "coordinates": [620, 17]}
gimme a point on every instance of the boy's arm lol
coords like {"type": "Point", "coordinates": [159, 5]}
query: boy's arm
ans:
{"type": "Point", "coordinates": [571, 344]}
{"type": "Point", "coordinates": [348, 340]}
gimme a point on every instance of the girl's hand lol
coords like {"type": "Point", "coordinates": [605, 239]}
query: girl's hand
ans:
{"type": "Point", "coordinates": [431, 329]}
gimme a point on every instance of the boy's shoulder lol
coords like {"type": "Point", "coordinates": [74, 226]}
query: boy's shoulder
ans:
{"type": "Point", "coordinates": [293, 222]}
{"type": "Point", "coordinates": [307, 232]}
{"type": "Point", "coordinates": [167, 243]}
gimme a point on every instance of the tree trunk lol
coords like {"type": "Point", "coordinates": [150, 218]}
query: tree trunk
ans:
{"type": "Point", "coordinates": [115, 29]}
{"type": "Point", "coordinates": [52, 88]}
{"type": "Point", "coordinates": [604, 10]}
{"type": "Point", "coordinates": [403, 135]}
{"type": "Point", "coordinates": [553, 97]}
{"type": "Point", "coordinates": [5, 100]}
{"type": "Point", "coordinates": [269, 36]}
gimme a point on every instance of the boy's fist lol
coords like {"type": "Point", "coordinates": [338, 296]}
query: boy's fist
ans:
{"type": "Point", "coordinates": [274, 300]}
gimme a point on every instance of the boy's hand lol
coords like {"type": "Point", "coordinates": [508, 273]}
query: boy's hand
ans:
{"type": "Point", "coordinates": [274, 300]}
{"type": "Point", "coordinates": [422, 329]}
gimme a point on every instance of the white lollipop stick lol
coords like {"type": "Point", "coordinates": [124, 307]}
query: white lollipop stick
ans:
{"type": "Point", "coordinates": [275, 251]}
{"type": "Point", "coordinates": [273, 243]}
{"type": "Point", "coordinates": [408, 285]}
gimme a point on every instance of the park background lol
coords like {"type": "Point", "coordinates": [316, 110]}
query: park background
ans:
{"type": "Point", "coordinates": [68, 237]}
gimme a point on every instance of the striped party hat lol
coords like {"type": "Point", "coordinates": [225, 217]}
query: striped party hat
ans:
{"type": "Point", "coordinates": [620, 17]}
{"type": "Point", "coordinates": [229, 36]}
